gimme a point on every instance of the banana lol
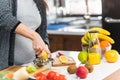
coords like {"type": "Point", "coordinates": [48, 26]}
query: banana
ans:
{"type": "Point", "coordinates": [84, 41]}
{"type": "Point", "coordinates": [105, 37]}
{"type": "Point", "coordinates": [87, 36]}
{"type": "Point", "coordinates": [101, 30]}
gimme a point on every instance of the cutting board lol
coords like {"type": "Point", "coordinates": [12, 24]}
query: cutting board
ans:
{"type": "Point", "coordinates": [20, 73]}
{"type": "Point", "coordinates": [15, 68]}
{"type": "Point", "coordinates": [114, 76]}
{"type": "Point", "coordinates": [56, 62]}
{"type": "Point", "coordinates": [11, 69]}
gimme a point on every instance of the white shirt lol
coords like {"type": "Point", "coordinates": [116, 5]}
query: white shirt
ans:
{"type": "Point", "coordinates": [28, 14]}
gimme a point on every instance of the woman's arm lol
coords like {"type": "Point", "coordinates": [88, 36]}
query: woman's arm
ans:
{"type": "Point", "coordinates": [38, 43]}
{"type": "Point", "coordinates": [10, 23]}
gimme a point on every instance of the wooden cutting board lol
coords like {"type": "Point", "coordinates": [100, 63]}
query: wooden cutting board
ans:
{"type": "Point", "coordinates": [11, 69]}
{"type": "Point", "coordinates": [56, 62]}
{"type": "Point", "coordinates": [15, 68]}
{"type": "Point", "coordinates": [114, 76]}
{"type": "Point", "coordinates": [17, 71]}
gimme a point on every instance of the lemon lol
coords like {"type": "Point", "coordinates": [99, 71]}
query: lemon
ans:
{"type": "Point", "coordinates": [63, 59]}
{"type": "Point", "coordinates": [111, 55]}
{"type": "Point", "coordinates": [45, 55]}
{"type": "Point", "coordinates": [95, 46]}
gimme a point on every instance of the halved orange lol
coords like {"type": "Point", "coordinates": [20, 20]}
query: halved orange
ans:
{"type": "Point", "coordinates": [63, 59]}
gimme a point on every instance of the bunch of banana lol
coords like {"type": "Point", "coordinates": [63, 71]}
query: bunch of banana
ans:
{"type": "Point", "coordinates": [101, 30]}
{"type": "Point", "coordinates": [102, 35]}
{"type": "Point", "coordinates": [105, 37]}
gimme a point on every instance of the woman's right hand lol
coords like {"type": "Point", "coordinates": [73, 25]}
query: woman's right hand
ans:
{"type": "Point", "coordinates": [39, 45]}
{"type": "Point", "coordinates": [37, 41]}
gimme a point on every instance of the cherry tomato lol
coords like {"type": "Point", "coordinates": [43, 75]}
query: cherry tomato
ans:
{"type": "Point", "coordinates": [62, 77]}
{"type": "Point", "coordinates": [51, 75]}
{"type": "Point", "coordinates": [43, 77]}
{"type": "Point", "coordinates": [40, 76]}
{"type": "Point", "coordinates": [56, 78]}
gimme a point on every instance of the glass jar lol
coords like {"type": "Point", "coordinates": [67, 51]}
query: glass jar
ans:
{"type": "Point", "coordinates": [94, 51]}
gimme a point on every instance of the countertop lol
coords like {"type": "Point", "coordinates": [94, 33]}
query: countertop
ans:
{"type": "Point", "coordinates": [57, 32]}
{"type": "Point", "coordinates": [100, 72]}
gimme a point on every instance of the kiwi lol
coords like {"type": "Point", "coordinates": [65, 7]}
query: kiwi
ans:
{"type": "Point", "coordinates": [89, 67]}
{"type": "Point", "coordinates": [71, 69]}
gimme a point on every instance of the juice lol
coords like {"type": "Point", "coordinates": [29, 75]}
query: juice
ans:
{"type": "Point", "coordinates": [94, 58]}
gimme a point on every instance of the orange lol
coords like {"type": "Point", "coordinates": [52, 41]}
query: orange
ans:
{"type": "Point", "coordinates": [104, 44]}
{"type": "Point", "coordinates": [63, 59]}
{"type": "Point", "coordinates": [111, 55]}
{"type": "Point", "coordinates": [9, 75]}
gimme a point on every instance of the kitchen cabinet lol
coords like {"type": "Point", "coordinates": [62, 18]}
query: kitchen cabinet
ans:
{"type": "Point", "coordinates": [65, 42]}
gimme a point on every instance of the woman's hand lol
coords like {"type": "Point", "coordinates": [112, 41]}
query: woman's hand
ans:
{"type": "Point", "coordinates": [38, 43]}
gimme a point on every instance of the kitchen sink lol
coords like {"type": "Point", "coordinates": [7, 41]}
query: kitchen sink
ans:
{"type": "Point", "coordinates": [77, 25]}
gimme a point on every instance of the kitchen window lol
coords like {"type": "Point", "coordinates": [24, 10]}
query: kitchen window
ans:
{"type": "Point", "coordinates": [75, 7]}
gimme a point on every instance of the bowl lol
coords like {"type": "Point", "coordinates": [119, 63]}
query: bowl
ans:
{"type": "Point", "coordinates": [103, 50]}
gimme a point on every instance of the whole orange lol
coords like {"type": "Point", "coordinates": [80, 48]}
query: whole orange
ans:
{"type": "Point", "coordinates": [111, 55]}
{"type": "Point", "coordinates": [104, 44]}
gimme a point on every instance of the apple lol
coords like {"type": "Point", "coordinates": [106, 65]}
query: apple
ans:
{"type": "Point", "coordinates": [81, 72]}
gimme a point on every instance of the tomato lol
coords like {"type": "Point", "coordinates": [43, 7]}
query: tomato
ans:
{"type": "Point", "coordinates": [40, 76]}
{"type": "Point", "coordinates": [43, 77]}
{"type": "Point", "coordinates": [51, 75]}
{"type": "Point", "coordinates": [62, 77]}
{"type": "Point", "coordinates": [56, 78]}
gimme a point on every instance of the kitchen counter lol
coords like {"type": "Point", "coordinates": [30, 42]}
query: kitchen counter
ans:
{"type": "Point", "coordinates": [60, 32]}
{"type": "Point", "coordinates": [100, 72]}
